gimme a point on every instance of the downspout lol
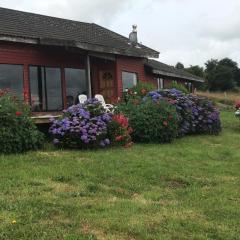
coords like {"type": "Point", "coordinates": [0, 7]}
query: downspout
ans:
{"type": "Point", "coordinates": [89, 76]}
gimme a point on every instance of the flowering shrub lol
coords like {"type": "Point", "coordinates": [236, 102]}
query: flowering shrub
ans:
{"type": "Point", "coordinates": [17, 131]}
{"type": "Point", "coordinates": [195, 114]}
{"type": "Point", "coordinates": [85, 126]}
{"type": "Point", "coordinates": [137, 92]}
{"type": "Point", "coordinates": [119, 131]}
{"type": "Point", "coordinates": [237, 106]}
{"type": "Point", "coordinates": [152, 121]}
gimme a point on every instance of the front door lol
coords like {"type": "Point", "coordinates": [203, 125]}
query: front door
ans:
{"type": "Point", "coordinates": [106, 86]}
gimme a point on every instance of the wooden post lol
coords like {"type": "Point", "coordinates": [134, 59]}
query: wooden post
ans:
{"type": "Point", "coordinates": [89, 76]}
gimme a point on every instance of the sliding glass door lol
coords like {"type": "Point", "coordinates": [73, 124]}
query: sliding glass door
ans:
{"type": "Point", "coordinates": [76, 84]}
{"type": "Point", "coordinates": [46, 89]}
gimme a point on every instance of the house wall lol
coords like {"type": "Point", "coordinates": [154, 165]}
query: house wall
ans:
{"type": "Point", "coordinates": [27, 55]}
{"type": "Point", "coordinates": [134, 65]}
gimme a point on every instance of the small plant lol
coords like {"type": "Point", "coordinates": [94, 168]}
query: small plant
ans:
{"type": "Point", "coordinates": [18, 133]}
{"type": "Point", "coordinates": [137, 92]}
{"type": "Point", "coordinates": [142, 88]}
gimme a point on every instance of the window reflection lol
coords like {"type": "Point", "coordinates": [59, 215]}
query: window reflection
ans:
{"type": "Point", "coordinates": [129, 80]}
{"type": "Point", "coordinates": [11, 77]}
{"type": "Point", "coordinates": [46, 89]}
{"type": "Point", "coordinates": [76, 84]}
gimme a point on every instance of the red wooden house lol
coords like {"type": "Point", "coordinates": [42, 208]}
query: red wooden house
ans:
{"type": "Point", "coordinates": [50, 61]}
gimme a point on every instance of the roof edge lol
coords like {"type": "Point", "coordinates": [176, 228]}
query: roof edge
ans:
{"type": "Point", "coordinates": [169, 74]}
{"type": "Point", "coordinates": [66, 43]}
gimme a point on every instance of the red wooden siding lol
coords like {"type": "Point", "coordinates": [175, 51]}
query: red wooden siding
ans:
{"type": "Point", "coordinates": [134, 65]}
{"type": "Point", "coordinates": [17, 53]}
{"type": "Point", "coordinates": [26, 55]}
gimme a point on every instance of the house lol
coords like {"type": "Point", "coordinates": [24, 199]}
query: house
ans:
{"type": "Point", "coordinates": [49, 61]}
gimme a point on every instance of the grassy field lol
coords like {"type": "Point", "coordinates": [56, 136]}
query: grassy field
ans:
{"type": "Point", "coordinates": [227, 98]}
{"type": "Point", "coordinates": [185, 190]}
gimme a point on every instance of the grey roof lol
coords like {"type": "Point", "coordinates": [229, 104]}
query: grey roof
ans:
{"type": "Point", "coordinates": [40, 29]}
{"type": "Point", "coordinates": [163, 69]}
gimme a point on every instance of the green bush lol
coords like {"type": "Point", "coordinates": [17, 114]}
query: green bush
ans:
{"type": "Point", "coordinates": [179, 87]}
{"type": "Point", "coordinates": [152, 122]}
{"type": "Point", "coordinates": [139, 91]}
{"type": "Point", "coordinates": [142, 88]}
{"type": "Point", "coordinates": [17, 131]}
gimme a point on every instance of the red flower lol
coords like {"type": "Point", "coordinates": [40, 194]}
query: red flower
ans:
{"type": "Point", "coordinates": [165, 123]}
{"type": "Point", "coordinates": [237, 105]}
{"type": "Point", "coordinates": [119, 138]}
{"type": "Point", "coordinates": [170, 117]}
{"type": "Point", "coordinates": [121, 119]}
{"type": "Point", "coordinates": [18, 114]}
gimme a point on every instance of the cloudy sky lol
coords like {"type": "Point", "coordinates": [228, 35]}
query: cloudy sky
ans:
{"type": "Point", "coordinates": [190, 31]}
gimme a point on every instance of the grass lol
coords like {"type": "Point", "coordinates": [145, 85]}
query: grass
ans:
{"type": "Point", "coordinates": [228, 98]}
{"type": "Point", "coordinates": [185, 190]}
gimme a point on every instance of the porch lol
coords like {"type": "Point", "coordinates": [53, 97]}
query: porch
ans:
{"type": "Point", "coordinates": [50, 79]}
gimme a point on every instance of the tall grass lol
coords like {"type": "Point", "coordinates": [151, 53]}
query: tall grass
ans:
{"type": "Point", "coordinates": [228, 98]}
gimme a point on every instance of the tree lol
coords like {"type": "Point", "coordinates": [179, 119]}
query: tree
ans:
{"type": "Point", "coordinates": [220, 75]}
{"type": "Point", "coordinates": [234, 66]}
{"type": "Point", "coordinates": [179, 66]}
{"type": "Point", "coordinates": [196, 70]}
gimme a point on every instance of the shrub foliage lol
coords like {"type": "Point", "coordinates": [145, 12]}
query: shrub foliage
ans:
{"type": "Point", "coordinates": [88, 126]}
{"type": "Point", "coordinates": [151, 121]}
{"type": "Point", "coordinates": [18, 133]}
{"type": "Point", "coordinates": [159, 116]}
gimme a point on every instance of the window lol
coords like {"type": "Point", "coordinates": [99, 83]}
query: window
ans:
{"type": "Point", "coordinates": [46, 89]}
{"type": "Point", "coordinates": [76, 83]}
{"type": "Point", "coordinates": [11, 76]}
{"type": "Point", "coordinates": [160, 83]}
{"type": "Point", "coordinates": [129, 80]}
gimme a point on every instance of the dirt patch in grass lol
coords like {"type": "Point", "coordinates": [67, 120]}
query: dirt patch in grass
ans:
{"type": "Point", "coordinates": [177, 183]}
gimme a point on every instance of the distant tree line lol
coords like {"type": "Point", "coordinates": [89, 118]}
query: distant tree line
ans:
{"type": "Point", "coordinates": [219, 75]}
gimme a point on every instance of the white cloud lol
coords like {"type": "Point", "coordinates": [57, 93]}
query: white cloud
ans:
{"type": "Point", "coordinates": [189, 31]}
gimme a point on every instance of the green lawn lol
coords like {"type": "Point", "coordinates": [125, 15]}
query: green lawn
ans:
{"type": "Point", "coordinates": [189, 189]}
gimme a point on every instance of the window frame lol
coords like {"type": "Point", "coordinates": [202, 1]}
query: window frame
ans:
{"type": "Point", "coordinates": [45, 87]}
{"type": "Point", "coordinates": [137, 78]}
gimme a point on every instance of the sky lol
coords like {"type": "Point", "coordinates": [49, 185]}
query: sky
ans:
{"type": "Point", "coordinates": [187, 31]}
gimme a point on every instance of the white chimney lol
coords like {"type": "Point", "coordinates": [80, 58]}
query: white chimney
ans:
{"type": "Point", "coordinates": [133, 38]}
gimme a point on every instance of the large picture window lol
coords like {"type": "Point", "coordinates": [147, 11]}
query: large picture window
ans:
{"type": "Point", "coordinates": [129, 80]}
{"type": "Point", "coordinates": [76, 84]}
{"type": "Point", "coordinates": [11, 77]}
{"type": "Point", "coordinates": [46, 89]}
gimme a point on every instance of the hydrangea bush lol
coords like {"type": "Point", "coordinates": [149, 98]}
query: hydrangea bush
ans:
{"type": "Point", "coordinates": [195, 114]}
{"type": "Point", "coordinates": [18, 133]}
{"type": "Point", "coordinates": [85, 126]}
